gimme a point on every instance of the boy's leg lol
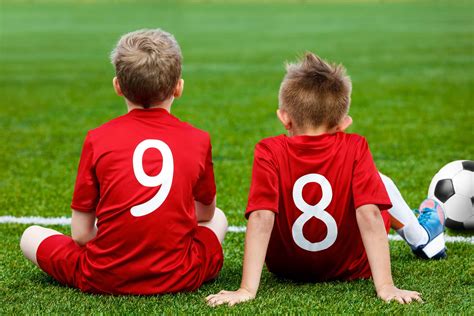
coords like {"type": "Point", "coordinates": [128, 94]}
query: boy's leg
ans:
{"type": "Point", "coordinates": [402, 218]}
{"type": "Point", "coordinates": [425, 233]}
{"type": "Point", "coordinates": [32, 237]}
{"type": "Point", "coordinates": [54, 253]}
{"type": "Point", "coordinates": [218, 224]}
{"type": "Point", "coordinates": [211, 248]}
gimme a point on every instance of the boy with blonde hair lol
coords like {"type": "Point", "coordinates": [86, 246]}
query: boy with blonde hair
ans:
{"type": "Point", "coordinates": [317, 208]}
{"type": "Point", "coordinates": [147, 179]}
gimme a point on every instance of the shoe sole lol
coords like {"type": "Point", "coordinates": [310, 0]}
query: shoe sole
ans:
{"type": "Point", "coordinates": [435, 246]}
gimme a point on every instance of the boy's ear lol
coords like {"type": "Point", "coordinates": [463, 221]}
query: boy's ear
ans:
{"type": "Point", "coordinates": [345, 123]}
{"type": "Point", "coordinates": [178, 91]}
{"type": "Point", "coordinates": [117, 88]}
{"type": "Point", "coordinates": [284, 118]}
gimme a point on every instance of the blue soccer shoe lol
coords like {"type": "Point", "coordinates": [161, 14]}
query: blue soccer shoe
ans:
{"type": "Point", "coordinates": [432, 219]}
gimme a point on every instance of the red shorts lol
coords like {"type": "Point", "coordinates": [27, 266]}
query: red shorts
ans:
{"type": "Point", "coordinates": [60, 257]}
{"type": "Point", "coordinates": [211, 252]}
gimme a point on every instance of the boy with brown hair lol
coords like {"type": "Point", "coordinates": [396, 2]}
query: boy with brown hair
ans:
{"type": "Point", "coordinates": [147, 179]}
{"type": "Point", "coordinates": [317, 208]}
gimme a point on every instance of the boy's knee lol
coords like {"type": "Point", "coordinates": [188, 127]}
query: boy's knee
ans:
{"type": "Point", "coordinates": [27, 234]}
{"type": "Point", "coordinates": [33, 236]}
{"type": "Point", "coordinates": [27, 239]}
{"type": "Point", "coordinates": [220, 216]}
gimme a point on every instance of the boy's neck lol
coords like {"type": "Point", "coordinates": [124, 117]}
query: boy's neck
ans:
{"type": "Point", "coordinates": [311, 131]}
{"type": "Point", "coordinates": [166, 105]}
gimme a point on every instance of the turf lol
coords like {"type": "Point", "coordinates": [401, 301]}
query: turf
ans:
{"type": "Point", "coordinates": [412, 68]}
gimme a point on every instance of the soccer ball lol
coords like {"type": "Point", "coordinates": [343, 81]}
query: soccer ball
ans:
{"type": "Point", "coordinates": [453, 188]}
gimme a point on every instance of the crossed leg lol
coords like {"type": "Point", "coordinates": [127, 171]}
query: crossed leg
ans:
{"type": "Point", "coordinates": [32, 237]}
{"type": "Point", "coordinates": [218, 224]}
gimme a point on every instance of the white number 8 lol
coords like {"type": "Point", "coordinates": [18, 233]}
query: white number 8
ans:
{"type": "Point", "coordinates": [317, 211]}
{"type": "Point", "coordinates": [164, 178]}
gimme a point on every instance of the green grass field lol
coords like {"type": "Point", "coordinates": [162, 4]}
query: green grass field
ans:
{"type": "Point", "coordinates": [412, 66]}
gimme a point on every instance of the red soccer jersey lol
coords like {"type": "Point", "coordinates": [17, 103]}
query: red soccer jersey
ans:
{"type": "Point", "coordinates": [140, 173]}
{"type": "Point", "coordinates": [314, 185]}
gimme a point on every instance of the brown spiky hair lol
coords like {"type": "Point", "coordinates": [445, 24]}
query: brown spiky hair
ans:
{"type": "Point", "coordinates": [147, 65]}
{"type": "Point", "coordinates": [315, 93]}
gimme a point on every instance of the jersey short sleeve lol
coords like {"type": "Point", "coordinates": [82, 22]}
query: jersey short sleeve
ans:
{"type": "Point", "coordinates": [86, 190]}
{"type": "Point", "coordinates": [204, 190]}
{"type": "Point", "coordinates": [367, 186]}
{"type": "Point", "coordinates": [264, 193]}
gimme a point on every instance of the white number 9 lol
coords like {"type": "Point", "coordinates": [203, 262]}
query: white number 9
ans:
{"type": "Point", "coordinates": [164, 178]}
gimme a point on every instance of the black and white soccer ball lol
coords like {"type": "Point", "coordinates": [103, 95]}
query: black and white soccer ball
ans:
{"type": "Point", "coordinates": [453, 188]}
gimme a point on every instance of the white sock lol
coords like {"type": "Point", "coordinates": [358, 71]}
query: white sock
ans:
{"type": "Point", "coordinates": [412, 232]}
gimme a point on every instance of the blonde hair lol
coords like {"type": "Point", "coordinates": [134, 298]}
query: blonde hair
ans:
{"type": "Point", "coordinates": [315, 93]}
{"type": "Point", "coordinates": [147, 65]}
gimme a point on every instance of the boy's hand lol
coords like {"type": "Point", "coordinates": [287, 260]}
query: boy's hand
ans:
{"type": "Point", "coordinates": [391, 293]}
{"type": "Point", "coordinates": [229, 297]}
{"type": "Point", "coordinates": [257, 237]}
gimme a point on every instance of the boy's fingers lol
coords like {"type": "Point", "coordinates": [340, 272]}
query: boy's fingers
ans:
{"type": "Point", "coordinates": [399, 299]}
{"type": "Point", "coordinates": [212, 301]}
{"type": "Point", "coordinates": [223, 297]}
{"type": "Point", "coordinates": [417, 297]}
{"type": "Point", "coordinates": [210, 297]}
{"type": "Point", "coordinates": [215, 302]}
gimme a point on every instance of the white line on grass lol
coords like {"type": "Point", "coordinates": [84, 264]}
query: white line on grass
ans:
{"type": "Point", "coordinates": [37, 220]}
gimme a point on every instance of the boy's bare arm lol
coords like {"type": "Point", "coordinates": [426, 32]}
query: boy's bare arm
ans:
{"type": "Point", "coordinates": [83, 228]}
{"type": "Point", "coordinates": [205, 213]}
{"type": "Point", "coordinates": [259, 229]}
{"type": "Point", "coordinates": [374, 237]}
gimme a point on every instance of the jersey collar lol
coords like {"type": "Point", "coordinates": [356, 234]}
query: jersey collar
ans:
{"type": "Point", "coordinates": [151, 113]}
